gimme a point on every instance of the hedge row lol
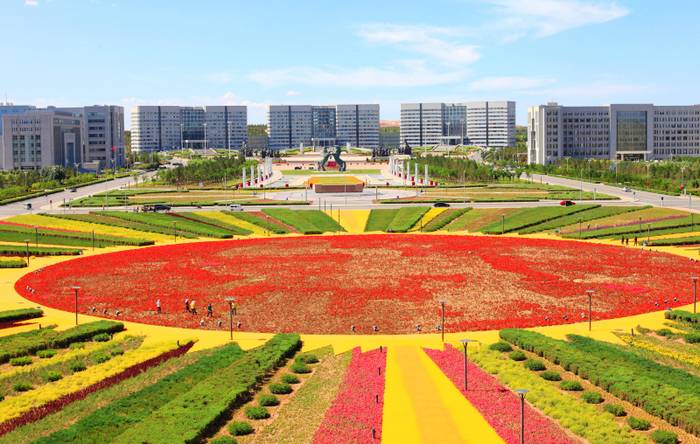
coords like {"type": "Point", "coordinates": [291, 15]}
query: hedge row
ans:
{"type": "Point", "coordinates": [13, 263]}
{"type": "Point", "coordinates": [201, 411]}
{"type": "Point", "coordinates": [19, 233]}
{"type": "Point", "coordinates": [586, 216]}
{"type": "Point", "coordinates": [20, 314]}
{"type": "Point", "coordinates": [238, 231]}
{"type": "Point", "coordinates": [259, 221]}
{"type": "Point", "coordinates": [101, 219]}
{"type": "Point", "coordinates": [682, 315]}
{"type": "Point", "coordinates": [22, 344]}
{"type": "Point", "coordinates": [653, 228]}
{"type": "Point", "coordinates": [104, 424]}
{"type": "Point", "coordinates": [170, 221]}
{"type": "Point", "coordinates": [665, 392]}
{"type": "Point", "coordinates": [20, 250]}
{"type": "Point", "coordinates": [690, 240]}
{"type": "Point", "coordinates": [533, 216]}
{"type": "Point", "coordinates": [444, 218]}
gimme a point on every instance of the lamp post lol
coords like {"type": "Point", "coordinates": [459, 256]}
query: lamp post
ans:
{"type": "Point", "coordinates": [695, 293]}
{"type": "Point", "coordinates": [36, 236]}
{"type": "Point", "coordinates": [522, 393]}
{"type": "Point", "coordinates": [231, 312]}
{"type": "Point", "coordinates": [442, 324]}
{"type": "Point", "coordinates": [590, 307]}
{"type": "Point", "coordinates": [26, 243]}
{"type": "Point", "coordinates": [465, 343]}
{"type": "Point", "coordinates": [503, 223]}
{"type": "Point", "coordinates": [75, 289]}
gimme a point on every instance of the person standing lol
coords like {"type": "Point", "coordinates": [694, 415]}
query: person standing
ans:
{"type": "Point", "coordinates": [193, 310]}
{"type": "Point", "coordinates": [187, 304]}
{"type": "Point", "coordinates": [210, 310]}
{"type": "Point", "coordinates": [158, 305]}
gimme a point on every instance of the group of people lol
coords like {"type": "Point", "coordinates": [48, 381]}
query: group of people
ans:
{"type": "Point", "coordinates": [626, 241]}
{"type": "Point", "coordinates": [191, 307]}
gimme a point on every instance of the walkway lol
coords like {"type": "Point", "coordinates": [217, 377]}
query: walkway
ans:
{"type": "Point", "coordinates": [422, 405]}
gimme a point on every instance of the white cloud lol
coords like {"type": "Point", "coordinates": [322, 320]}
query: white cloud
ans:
{"type": "Point", "coordinates": [441, 44]}
{"type": "Point", "coordinates": [544, 18]}
{"type": "Point", "coordinates": [31, 2]}
{"type": "Point", "coordinates": [509, 83]}
{"type": "Point", "coordinates": [292, 93]}
{"type": "Point", "coordinates": [401, 74]}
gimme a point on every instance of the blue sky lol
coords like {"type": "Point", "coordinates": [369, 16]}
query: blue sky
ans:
{"type": "Point", "coordinates": [131, 52]}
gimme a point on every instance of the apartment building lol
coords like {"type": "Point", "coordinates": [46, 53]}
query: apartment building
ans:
{"type": "Point", "coordinates": [616, 132]}
{"type": "Point", "coordinates": [472, 123]}
{"type": "Point", "coordinates": [358, 125]}
{"type": "Point", "coordinates": [41, 138]}
{"type": "Point", "coordinates": [155, 128]}
{"type": "Point", "coordinates": [103, 134]}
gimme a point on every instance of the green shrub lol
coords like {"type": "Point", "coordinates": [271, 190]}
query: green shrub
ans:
{"type": "Point", "coordinates": [517, 355]}
{"type": "Point", "coordinates": [45, 354]}
{"type": "Point", "coordinates": [101, 357]}
{"type": "Point", "coordinates": [268, 400]}
{"type": "Point", "coordinates": [53, 376]}
{"type": "Point", "coordinates": [77, 346]}
{"type": "Point", "coordinates": [20, 314]}
{"type": "Point", "coordinates": [638, 423]}
{"type": "Point", "coordinates": [280, 388]}
{"type": "Point", "coordinates": [21, 361]}
{"type": "Point", "coordinates": [692, 338]}
{"type": "Point", "coordinates": [664, 437]}
{"type": "Point", "coordinates": [257, 412]}
{"type": "Point", "coordinates": [224, 440]}
{"type": "Point", "coordinates": [501, 346]}
{"type": "Point", "coordinates": [572, 386]}
{"type": "Point", "coordinates": [664, 332]}
{"type": "Point", "coordinates": [307, 358]}
{"type": "Point", "coordinates": [290, 379]}
{"type": "Point", "coordinates": [535, 365]}
{"type": "Point", "coordinates": [116, 352]}
{"type": "Point", "coordinates": [592, 397]}
{"type": "Point", "coordinates": [22, 387]}
{"type": "Point", "coordinates": [240, 428]}
{"type": "Point", "coordinates": [615, 409]}
{"type": "Point", "coordinates": [102, 337]}
{"type": "Point", "coordinates": [528, 217]}
{"type": "Point", "coordinates": [77, 366]}
{"type": "Point", "coordinates": [300, 367]}
{"type": "Point", "coordinates": [86, 332]}
{"type": "Point", "coordinates": [551, 375]}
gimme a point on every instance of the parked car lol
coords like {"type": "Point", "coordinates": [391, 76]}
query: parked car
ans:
{"type": "Point", "coordinates": [626, 189]}
{"type": "Point", "coordinates": [72, 190]}
{"type": "Point", "coordinates": [567, 203]}
{"type": "Point", "coordinates": [235, 207]}
{"type": "Point", "coordinates": [297, 167]}
{"type": "Point", "coordinates": [28, 206]}
{"type": "Point", "coordinates": [441, 205]}
{"type": "Point", "coordinates": [155, 208]}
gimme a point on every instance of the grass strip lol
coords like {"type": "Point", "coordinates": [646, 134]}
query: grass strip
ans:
{"type": "Point", "coordinates": [294, 219]}
{"type": "Point", "coordinates": [262, 222]}
{"type": "Point", "coordinates": [379, 220]}
{"type": "Point", "coordinates": [20, 314]}
{"type": "Point", "coordinates": [532, 216]}
{"type": "Point", "coordinates": [444, 219]}
{"type": "Point", "coordinates": [406, 218]}
{"type": "Point", "coordinates": [586, 216]}
{"type": "Point", "coordinates": [233, 229]}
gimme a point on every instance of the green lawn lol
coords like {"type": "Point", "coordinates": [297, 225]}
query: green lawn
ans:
{"type": "Point", "coordinates": [532, 216]}
{"type": "Point", "coordinates": [586, 216]}
{"type": "Point", "coordinates": [379, 220]}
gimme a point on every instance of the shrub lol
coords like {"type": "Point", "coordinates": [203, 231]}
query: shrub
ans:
{"type": "Point", "coordinates": [21, 361]}
{"type": "Point", "coordinates": [307, 358]}
{"type": "Point", "coordinates": [664, 332]}
{"type": "Point", "coordinates": [224, 440]}
{"type": "Point", "coordinates": [77, 366]}
{"type": "Point", "coordinates": [116, 352]}
{"type": "Point", "coordinates": [572, 386]}
{"type": "Point", "coordinates": [664, 437]}
{"type": "Point", "coordinates": [20, 314]}
{"type": "Point", "coordinates": [257, 412]}
{"type": "Point", "coordinates": [535, 365]}
{"type": "Point", "coordinates": [268, 400]}
{"type": "Point", "coordinates": [290, 379]}
{"type": "Point", "coordinates": [101, 357]}
{"type": "Point", "coordinates": [280, 388]}
{"type": "Point", "coordinates": [551, 375]}
{"type": "Point", "coordinates": [501, 346]}
{"type": "Point", "coordinates": [45, 354]}
{"type": "Point", "coordinates": [692, 338]}
{"type": "Point", "coordinates": [638, 423]}
{"type": "Point", "coordinates": [592, 397]}
{"type": "Point", "coordinates": [22, 387]}
{"type": "Point", "coordinates": [240, 428]}
{"type": "Point", "coordinates": [300, 367]}
{"type": "Point", "coordinates": [77, 346]}
{"type": "Point", "coordinates": [53, 376]}
{"type": "Point", "coordinates": [85, 332]}
{"type": "Point", "coordinates": [615, 409]}
{"type": "Point", "coordinates": [517, 356]}
{"type": "Point", "coordinates": [102, 337]}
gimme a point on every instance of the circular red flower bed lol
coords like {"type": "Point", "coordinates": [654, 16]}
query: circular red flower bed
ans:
{"type": "Point", "coordinates": [327, 284]}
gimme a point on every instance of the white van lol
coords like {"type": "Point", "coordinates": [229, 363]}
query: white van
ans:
{"type": "Point", "coordinates": [235, 207]}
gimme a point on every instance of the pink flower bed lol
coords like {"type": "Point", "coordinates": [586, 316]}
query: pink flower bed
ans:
{"type": "Point", "coordinates": [357, 409]}
{"type": "Point", "coordinates": [497, 404]}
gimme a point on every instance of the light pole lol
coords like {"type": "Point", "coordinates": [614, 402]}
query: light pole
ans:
{"type": "Point", "coordinates": [26, 242]}
{"type": "Point", "coordinates": [522, 393]}
{"type": "Point", "coordinates": [75, 289]}
{"type": "Point", "coordinates": [442, 324]}
{"type": "Point", "coordinates": [695, 293]}
{"type": "Point", "coordinates": [503, 223]}
{"type": "Point", "coordinates": [465, 343]}
{"type": "Point", "coordinates": [205, 138]}
{"type": "Point", "coordinates": [231, 312]}
{"type": "Point", "coordinates": [590, 307]}
{"type": "Point", "coordinates": [36, 236]}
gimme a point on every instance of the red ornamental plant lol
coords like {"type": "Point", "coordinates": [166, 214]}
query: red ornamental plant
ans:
{"type": "Point", "coordinates": [497, 404]}
{"type": "Point", "coordinates": [356, 414]}
{"type": "Point", "coordinates": [326, 284]}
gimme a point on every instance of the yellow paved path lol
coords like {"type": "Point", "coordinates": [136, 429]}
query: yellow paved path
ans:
{"type": "Point", "coordinates": [421, 405]}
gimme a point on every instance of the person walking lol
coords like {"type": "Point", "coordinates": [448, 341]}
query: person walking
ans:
{"type": "Point", "coordinates": [636, 242]}
{"type": "Point", "coordinates": [193, 310]}
{"type": "Point", "coordinates": [210, 310]}
{"type": "Point", "coordinates": [158, 305]}
{"type": "Point", "coordinates": [187, 304]}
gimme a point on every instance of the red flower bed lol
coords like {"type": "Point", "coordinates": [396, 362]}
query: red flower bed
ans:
{"type": "Point", "coordinates": [497, 404]}
{"type": "Point", "coordinates": [326, 284]}
{"type": "Point", "coordinates": [358, 406]}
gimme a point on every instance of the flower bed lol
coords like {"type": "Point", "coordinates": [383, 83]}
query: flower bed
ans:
{"type": "Point", "coordinates": [20, 233]}
{"type": "Point", "coordinates": [499, 405]}
{"type": "Point", "coordinates": [327, 284]}
{"type": "Point", "coordinates": [358, 406]}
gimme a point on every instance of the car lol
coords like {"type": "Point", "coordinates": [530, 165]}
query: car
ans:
{"type": "Point", "coordinates": [297, 167]}
{"type": "Point", "coordinates": [567, 203]}
{"type": "Point", "coordinates": [28, 206]}
{"type": "Point", "coordinates": [155, 208]}
{"type": "Point", "coordinates": [72, 190]}
{"type": "Point", "coordinates": [626, 189]}
{"type": "Point", "coordinates": [235, 207]}
{"type": "Point", "coordinates": [441, 205]}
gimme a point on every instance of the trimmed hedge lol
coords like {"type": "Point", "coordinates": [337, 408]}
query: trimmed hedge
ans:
{"type": "Point", "coordinates": [20, 314]}
{"type": "Point", "coordinates": [240, 428]}
{"type": "Point", "coordinates": [550, 375]}
{"type": "Point", "coordinates": [13, 263]}
{"type": "Point", "coordinates": [290, 379]}
{"type": "Point", "coordinates": [517, 355]}
{"type": "Point", "coordinates": [21, 250]}
{"type": "Point", "coordinates": [535, 365]}
{"type": "Point", "coordinates": [268, 400]}
{"type": "Point", "coordinates": [592, 397]}
{"type": "Point", "coordinates": [615, 409]}
{"type": "Point", "coordinates": [683, 316]}
{"type": "Point", "coordinates": [638, 423]}
{"type": "Point", "coordinates": [280, 388]}
{"type": "Point", "coordinates": [257, 412]}
{"type": "Point", "coordinates": [664, 437]}
{"type": "Point", "coordinates": [529, 217]}
{"type": "Point", "coordinates": [443, 219]}
{"type": "Point", "coordinates": [572, 386]}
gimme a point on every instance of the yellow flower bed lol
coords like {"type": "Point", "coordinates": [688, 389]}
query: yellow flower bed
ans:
{"type": "Point", "coordinates": [231, 220]}
{"type": "Point", "coordinates": [65, 224]}
{"type": "Point", "coordinates": [427, 217]}
{"type": "Point", "coordinates": [68, 355]}
{"type": "Point", "coordinates": [14, 406]}
{"type": "Point", "coordinates": [646, 344]}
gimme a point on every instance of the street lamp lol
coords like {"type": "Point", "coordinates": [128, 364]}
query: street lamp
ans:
{"type": "Point", "coordinates": [442, 325]}
{"type": "Point", "coordinates": [695, 293]}
{"type": "Point", "coordinates": [465, 343]}
{"type": "Point", "coordinates": [590, 307]}
{"type": "Point", "coordinates": [503, 223]}
{"type": "Point", "coordinates": [522, 393]}
{"type": "Point", "coordinates": [26, 243]}
{"type": "Point", "coordinates": [75, 289]}
{"type": "Point", "coordinates": [231, 312]}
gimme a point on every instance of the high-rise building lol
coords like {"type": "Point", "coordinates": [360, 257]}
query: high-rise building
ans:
{"type": "Point", "coordinates": [155, 128]}
{"type": "Point", "coordinates": [358, 125]}
{"type": "Point", "coordinates": [10, 108]}
{"type": "Point", "coordinates": [41, 138]}
{"type": "Point", "coordinates": [323, 129]}
{"type": "Point", "coordinates": [103, 134]}
{"type": "Point", "coordinates": [615, 132]}
{"type": "Point", "coordinates": [289, 126]}
{"type": "Point", "coordinates": [473, 123]}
